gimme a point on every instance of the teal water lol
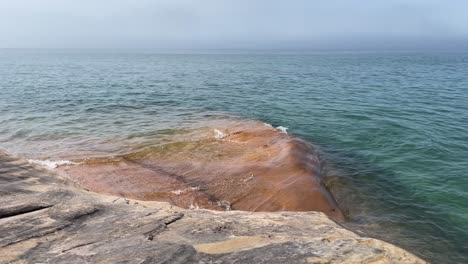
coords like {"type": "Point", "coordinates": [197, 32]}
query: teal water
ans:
{"type": "Point", "coordinates": [392, 127]}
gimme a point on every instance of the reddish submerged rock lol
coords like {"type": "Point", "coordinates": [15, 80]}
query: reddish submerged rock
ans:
{"type": "Point", "coordinates": [239, 166]}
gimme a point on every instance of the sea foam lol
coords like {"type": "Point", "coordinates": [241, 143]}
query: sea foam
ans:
{"type": "Point", "coordinates": [51, 164]}
{"type": "Point", "coordinates": [282, 129]}
{"type": "Point", "coordinates": [219, 134]}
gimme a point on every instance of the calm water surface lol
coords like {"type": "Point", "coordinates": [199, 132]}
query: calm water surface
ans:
{"type": "Point", "coordinates": [392, 127]}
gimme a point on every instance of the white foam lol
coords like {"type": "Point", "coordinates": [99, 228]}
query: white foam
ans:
{"type": "Point", "coordinates": [51, 164]}
{"type": "Point", "coordinates": [219, 134]}
{"type": "Point", "coordinates": [282, 129]}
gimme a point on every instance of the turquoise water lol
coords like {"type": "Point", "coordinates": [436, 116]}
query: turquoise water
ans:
{"type": "Point", "coordinates": [392, 127]}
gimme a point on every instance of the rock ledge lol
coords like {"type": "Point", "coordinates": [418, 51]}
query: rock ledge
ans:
{"type": "Point", "coordinates": [45, 219]}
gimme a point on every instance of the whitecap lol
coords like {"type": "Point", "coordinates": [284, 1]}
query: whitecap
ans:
{"type": "Point", "coordinates": [282, 129]}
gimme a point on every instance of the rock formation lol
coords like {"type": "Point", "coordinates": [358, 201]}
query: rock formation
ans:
{"type": "Point", "coordinates": [46, 219]}
{"type": "Point", "coordinates": [245, 165]}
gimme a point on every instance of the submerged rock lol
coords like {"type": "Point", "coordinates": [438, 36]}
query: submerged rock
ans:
{"type": "Point", "coordinates": [46, 219]}
{"type": "Point", "coordinates": [244, 165]}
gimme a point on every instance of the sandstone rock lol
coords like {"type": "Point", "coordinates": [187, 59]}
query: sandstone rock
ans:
{"type": "Point", "coordinates": [46, 219]}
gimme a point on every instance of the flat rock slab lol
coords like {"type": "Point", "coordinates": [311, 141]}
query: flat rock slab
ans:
{"type": "Point", "coordinates": [46, 219]}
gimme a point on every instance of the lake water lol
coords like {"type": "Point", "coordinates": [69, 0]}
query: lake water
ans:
{"type": "Point", "coordinates": [392, 128]}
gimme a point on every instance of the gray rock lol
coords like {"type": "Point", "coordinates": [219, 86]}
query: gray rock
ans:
{"type": "Point", "coordinates": [46, 219]}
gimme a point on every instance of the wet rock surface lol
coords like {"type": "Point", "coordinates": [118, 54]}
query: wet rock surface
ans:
{"type": "Point", "coordinates": [46, 219]}
{"type": "Point", "coordinates": [249, 166]}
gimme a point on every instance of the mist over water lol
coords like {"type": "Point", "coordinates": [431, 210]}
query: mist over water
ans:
{"type": "Point", "coordinates": [239, 24]}
{"type": "Point", "coordinates": [392, 127]}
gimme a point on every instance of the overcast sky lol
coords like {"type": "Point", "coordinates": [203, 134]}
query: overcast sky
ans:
{"type": "Point", "coordinates": [224, 24]}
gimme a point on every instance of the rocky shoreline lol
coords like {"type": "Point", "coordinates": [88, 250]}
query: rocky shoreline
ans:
{"type": "Point", "coordinates": [46, 219]}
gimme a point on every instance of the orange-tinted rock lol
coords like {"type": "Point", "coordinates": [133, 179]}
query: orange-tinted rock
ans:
{"type": "Point", "coordinates": [243, 166]}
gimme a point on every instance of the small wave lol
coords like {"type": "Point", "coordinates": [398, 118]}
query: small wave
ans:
{"type": "Point", "coordinates": [50, 164]}
{"type": "Point", "coordinates": [219, 134]}
{"type": "Point", "coordinates": [282, 129]}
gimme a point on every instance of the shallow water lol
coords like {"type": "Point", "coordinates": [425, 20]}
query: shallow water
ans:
{"type": "Point", "coordinates": [392, 127]}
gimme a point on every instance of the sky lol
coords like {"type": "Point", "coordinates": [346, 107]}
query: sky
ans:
{"type": "Point", "coordinates": [234, 24]}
